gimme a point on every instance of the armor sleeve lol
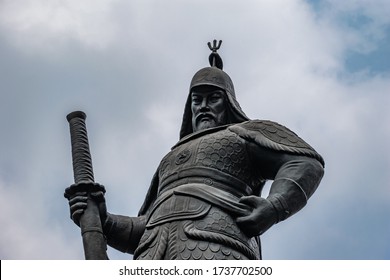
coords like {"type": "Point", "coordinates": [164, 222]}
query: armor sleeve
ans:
{"type": "Point", "coordinates": [124, 233]}
{"type": "Point", "coordinates": [274, 136]}
{"type": "Point", "coordinates": [282, 156]}
{"type": "Point", "coordinates": [295, 182]}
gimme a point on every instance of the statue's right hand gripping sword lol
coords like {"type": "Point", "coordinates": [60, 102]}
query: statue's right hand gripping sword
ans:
{"type": "Point", "coordinates": [94, 241]}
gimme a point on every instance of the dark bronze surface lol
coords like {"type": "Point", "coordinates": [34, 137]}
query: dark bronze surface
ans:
{"type": "Point", "coordinates": [204, 201]}
{"type": "Point", "coordinates": [91, 228]}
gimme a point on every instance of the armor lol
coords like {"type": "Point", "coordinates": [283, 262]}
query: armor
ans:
{"type": "Point", "coordinates": [197, 204]}
{"type": "Point", "coordinates": [200, 183]}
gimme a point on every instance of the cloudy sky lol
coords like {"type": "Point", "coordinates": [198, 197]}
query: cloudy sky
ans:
{"type": "Point", "coordinates": [320, 68]}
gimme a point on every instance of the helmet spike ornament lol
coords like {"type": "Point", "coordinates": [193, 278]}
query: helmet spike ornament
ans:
{"type": "Point", "coordinates": [214, 58]}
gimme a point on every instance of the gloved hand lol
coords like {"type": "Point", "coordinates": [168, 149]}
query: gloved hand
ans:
{"type": "Point", "coordinates": [260, 219]}
{"type": "Point", "coordinates": [78, 202]}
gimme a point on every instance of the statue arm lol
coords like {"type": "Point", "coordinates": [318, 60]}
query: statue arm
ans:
{"type": "Point", "coordinates": [281, 155]}
{"type": "Point", "coordinates": [294, 183]}
{"type": "Point", "coordinates": [295, 179]}
{"type": "Point", "coordinates": [124, 233]}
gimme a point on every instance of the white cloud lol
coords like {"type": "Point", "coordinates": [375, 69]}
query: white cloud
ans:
{"type": "Point", "coordinates": [44, 25]}
{"type": "Point", "coordinates": [27, 233]}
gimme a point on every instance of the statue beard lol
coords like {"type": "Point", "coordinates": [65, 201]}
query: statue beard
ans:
{"type": "Point", "coordinates": [205, 124]}
{"type": "Point", "coordinates": [206, 120]}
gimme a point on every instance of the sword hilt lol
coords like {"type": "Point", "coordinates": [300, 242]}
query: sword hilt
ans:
{"type": "Point", "coordinates": [81, 156]}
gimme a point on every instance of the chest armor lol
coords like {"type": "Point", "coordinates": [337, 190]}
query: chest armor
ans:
{"type": "Point", "coordinates": [219, 154]}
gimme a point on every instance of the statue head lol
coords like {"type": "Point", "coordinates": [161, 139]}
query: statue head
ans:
{"type": "Point", "coordinates": [210, 82]}
{"type": "Point", "coordinates": [208, 107]}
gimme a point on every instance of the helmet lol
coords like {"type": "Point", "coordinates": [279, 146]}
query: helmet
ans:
{"type": "Point", "coordinates": [213, 76]}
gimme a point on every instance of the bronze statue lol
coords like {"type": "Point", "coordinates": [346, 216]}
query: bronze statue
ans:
{"type": "Point", "coordinates": [204, 201]}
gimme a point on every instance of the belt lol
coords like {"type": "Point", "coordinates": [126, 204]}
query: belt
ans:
{"type": "Point", "coordinates": [206, 176]}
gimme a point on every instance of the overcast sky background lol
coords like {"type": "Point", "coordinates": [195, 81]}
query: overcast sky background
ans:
{"type": "Point", "coordinates": [320, 68]}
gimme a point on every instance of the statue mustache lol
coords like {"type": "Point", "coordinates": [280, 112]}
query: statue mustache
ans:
{"type": "Point", "coordinates": [204, 115]}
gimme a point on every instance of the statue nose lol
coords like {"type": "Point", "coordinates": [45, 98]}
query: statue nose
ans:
{"type": "Point", "coordinates": [204, 105]}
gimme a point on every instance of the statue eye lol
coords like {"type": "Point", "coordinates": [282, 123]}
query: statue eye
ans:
{"type": "Point", "coordinates": [196, 100]}
{"type": "Point", "coordinates": [215, 97]}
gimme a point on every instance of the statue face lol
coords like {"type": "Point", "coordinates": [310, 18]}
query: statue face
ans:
{"type": "Point", "coordinates": [208, 106]}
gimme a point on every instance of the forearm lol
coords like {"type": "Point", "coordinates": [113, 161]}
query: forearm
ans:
{"type": "Point", "coordinates": [294, 184]}
{"type": "Point", "coordinates": [123, 233]}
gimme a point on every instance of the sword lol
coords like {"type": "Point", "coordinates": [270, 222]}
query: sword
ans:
{"type": "Point", "coordinates": [94, 242]}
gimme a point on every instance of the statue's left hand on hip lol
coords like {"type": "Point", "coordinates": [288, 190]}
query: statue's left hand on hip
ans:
{"type": "Point", "coordinates": [262, 216]}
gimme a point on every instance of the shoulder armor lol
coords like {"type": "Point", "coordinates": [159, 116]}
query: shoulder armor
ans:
{"type": "Point", "coordinates": [275, 136]}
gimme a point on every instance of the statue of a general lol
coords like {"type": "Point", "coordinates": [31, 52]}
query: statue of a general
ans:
{"type": "Point", "coordinates": [204, 201]}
